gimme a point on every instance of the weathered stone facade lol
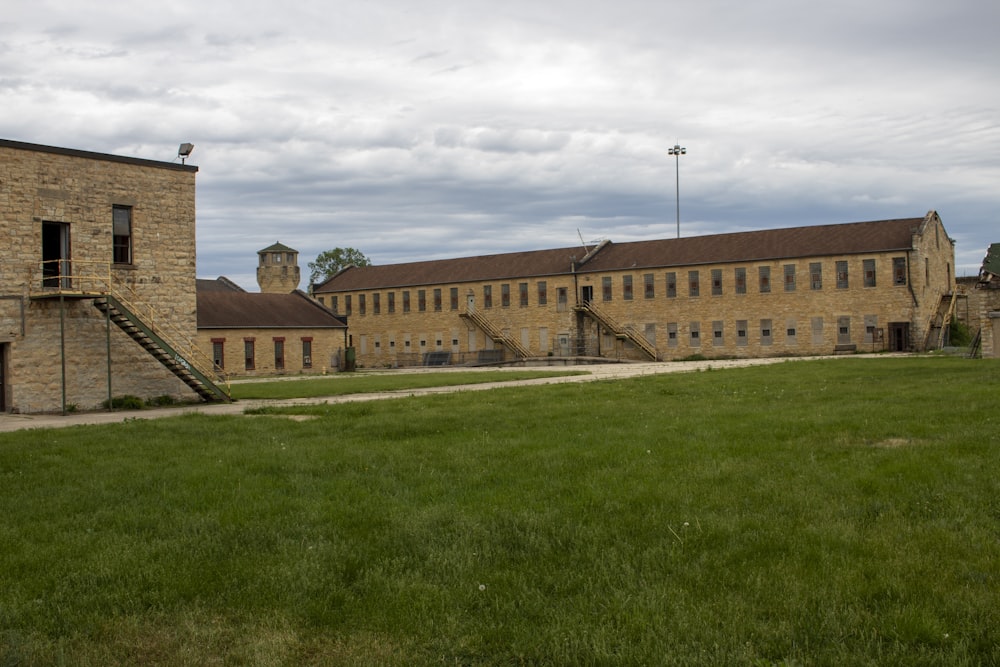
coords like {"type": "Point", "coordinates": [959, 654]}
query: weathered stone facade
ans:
{"type": "Point", "coordinates": [77, 223]}
{"type": "Point", "coordinates": [783, 296]}
{"type": "Point", "coordinates": [278, 269]}
{"type": "Point", "coordinates": [301, 351]}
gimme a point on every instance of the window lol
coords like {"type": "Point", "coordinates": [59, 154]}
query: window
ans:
{"type": "Point", "coordinates": [871, 328]}
{"type": "Point", "coordinates": [487, 296]}
{"type": "Point", "coordinates": [694, 284]}
{"type": "Point", "coordinates": [671, 285]}
{"type": "Point", "coordinates": [376, 303]}
{"type": "Point", "coordinates": [843, 330]}
{"type": "Point", "coordinates": [815, 275]}
{"type": "Point", "coordinates": [406, 301]}
{"type": "Point", "coordinates": [391, 302]}
{"type": "Point", "coordinates": [219, 352]}
{"type": "Point", "coordinates": [248, 354]}
{"type": "Point", "coordinates": [842, 281]}
{"type": "Point", "coordinates": [695, 334]}
{"type": "Point", "coordinates": [121, 222]}
{"type": "Point", "coordinates": [791, 328]}
{"type": "Point", "coordinates": [505, 295]}
{"type": "Point", "coordinates": [740, 280]}
{"type": "Point", "coordinates": [627, 288]}
{"type": "Point", "coordinates": [606, 288]}
{"type": "Point", "coordinates": [648, 287]}
{"type": "Point", "coordinates": [868, 268]}
{"type": "Point", "coordinates": [672, 334]}
{"type": "Point", "coordinates": [765, 332]}
{"type": "Point", "coordinates": [453, 297]}
{"type": "Point", "coordinates": [562, 299]}
{"type": "Point", "coordinates": [522, 294]}
{"type": "Point", "coordinates": [421, 300]}
{"type": "Point", "coordinates": [347, 304]}
{"type": "Point", "coordinates": [789, 277]}
{"type": "Point", "coordinates": [543, 293]}
{"type": "Point", "coordinates": [307, 352]}
{"type": "Point", "coordinates": [334, 304]}
{"type": "Point", "coordinates": [362, 304]}
{"type": "Point", "coordinates": [716, 282]}
{"type": "Point", "coordinates": [437, 300]}
{"type": "Point", "coordinates": [898, 270]}
{"type": "Point", "coordinates": [279, 354]}
{"type": "Point", "coordinates": [741, 332]}
{"type": "Point", "coordinates": [717, 337]}
{"type": "Point", "coordinates": [764, 275]}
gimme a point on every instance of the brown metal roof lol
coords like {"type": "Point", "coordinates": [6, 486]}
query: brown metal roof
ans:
{"type": "Point", "coordinates": [229, 309]}
{"type": "Point", "coordinates": [464, 269]}
{"type": "Point", "coordinates": [770, 244]}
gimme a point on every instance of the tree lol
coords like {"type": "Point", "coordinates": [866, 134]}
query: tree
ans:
{"type": "Point", "coordinates": [329, 262]}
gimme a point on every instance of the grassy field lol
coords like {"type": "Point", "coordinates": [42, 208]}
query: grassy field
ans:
{"type": "Point", "coordinates": [817, 513]}
{"type": "Point", "coordinates": [365, 383]}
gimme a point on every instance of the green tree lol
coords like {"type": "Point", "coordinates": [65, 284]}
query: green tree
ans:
{"type": "Point", "coordinates": [329, 262]}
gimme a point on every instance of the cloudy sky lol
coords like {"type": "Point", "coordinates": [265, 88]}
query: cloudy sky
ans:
{"type": "Point", "coordinates": [431, 129]}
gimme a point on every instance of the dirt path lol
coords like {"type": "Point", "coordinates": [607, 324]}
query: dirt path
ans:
{"type": "Point", "coordinates": [594, 372]}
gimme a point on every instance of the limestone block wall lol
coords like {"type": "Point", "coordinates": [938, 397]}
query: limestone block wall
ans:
{"type": "Point", "coordinates": [78, 191]}
{"type": "Point", "coordinates": [323, 348]}
{"type": "Point", "coordinates": [664, 307]}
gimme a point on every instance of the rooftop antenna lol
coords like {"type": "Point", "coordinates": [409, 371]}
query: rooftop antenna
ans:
{"type": "Point", "coordinates": [582, 242]}
{"type": "Point", "coordinates": [184, 151]}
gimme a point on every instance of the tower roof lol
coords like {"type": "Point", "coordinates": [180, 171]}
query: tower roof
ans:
{"type": "Point", "coordinates": [277, 247]}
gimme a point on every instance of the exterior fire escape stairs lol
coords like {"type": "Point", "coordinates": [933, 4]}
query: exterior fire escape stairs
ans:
{"type": "Point", "coordinates": [161, 349]}
{"type": "Point", "coordinates": [621, 332]}
{"type": "Point", "coordinates": [495, 333]}
{"type": "Point", "coordinates": [938, 332]}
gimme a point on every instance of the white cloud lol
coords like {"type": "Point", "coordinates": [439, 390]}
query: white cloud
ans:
{"type": "Point", "coordinates": [443, 129]}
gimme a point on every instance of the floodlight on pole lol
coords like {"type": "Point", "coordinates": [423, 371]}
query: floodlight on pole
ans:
{"type": "Point", "coordinates": [677, 151]}
{"type": "Point", "coordinates": [184, 151]}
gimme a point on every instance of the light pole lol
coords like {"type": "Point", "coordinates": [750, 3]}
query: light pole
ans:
{"type": "Point", "coordinates": [677, 151]}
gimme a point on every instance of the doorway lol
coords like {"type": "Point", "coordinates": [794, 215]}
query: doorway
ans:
{"type": "Point", "coordinates": [55, 255]}
{"type": "Point", "coordinates": [587, 293]}
{"type": "Point", "coordinates": [899, 336]}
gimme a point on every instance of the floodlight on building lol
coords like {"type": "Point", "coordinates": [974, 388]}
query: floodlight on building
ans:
{"type": "Point", "coordinates": [677, 151]}
{"type": "Point", "coordinates": [184, 151]}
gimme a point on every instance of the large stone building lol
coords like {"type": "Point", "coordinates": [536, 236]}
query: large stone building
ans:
{"type": "Point", "coordinates": [97, 281]}
{"type": "Point", "coordinates": [882, 285]}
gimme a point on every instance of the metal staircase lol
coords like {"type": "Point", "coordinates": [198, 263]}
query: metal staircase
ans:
{"type": "Point", "coordinates": [621, 332]}
{"type": "Point", "coordinates": [976, 347]}
{"type": "Point", "coordinates": [938, 331]}
{"type": "Point", "coordinates": [496, 334]}
{"type": "Point", "coordinates": [156, 343]}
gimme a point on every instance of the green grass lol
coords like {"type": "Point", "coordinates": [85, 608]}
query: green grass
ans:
{"type": "Point", "coordinates": [365, 383]}
{"type": "Point", "coordinates": [821, 513]}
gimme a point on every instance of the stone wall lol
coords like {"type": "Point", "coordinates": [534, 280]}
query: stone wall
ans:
{"type": "Point", "coordinates": [792, 320]}
{"type": "Point", "coordinates": [325, 345]}
{"type": "Point", "coordinates": [41, 184]}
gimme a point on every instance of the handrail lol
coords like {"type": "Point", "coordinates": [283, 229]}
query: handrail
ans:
{"type": "Point", "coordinates": [628, 331]}
{"type": "Point", "coordinates": [98, 279]}
{"type": "Point", "coordinates": [497, 335]}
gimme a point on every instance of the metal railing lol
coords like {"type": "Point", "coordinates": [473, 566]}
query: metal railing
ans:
{"type": "Point", "coordinates": [86, 278]}
{"type": "Point", "coordinates": [496, 334]}
{"type": "Point", "coordinates": [622, 331]}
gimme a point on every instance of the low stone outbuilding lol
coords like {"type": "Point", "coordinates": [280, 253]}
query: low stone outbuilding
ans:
{"type": "Point", "coordinates": [257, 333]}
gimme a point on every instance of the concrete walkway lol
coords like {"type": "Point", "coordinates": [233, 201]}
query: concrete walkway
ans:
{"type": "Point", "coordinates": [593, 372]}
